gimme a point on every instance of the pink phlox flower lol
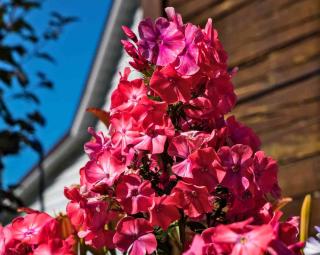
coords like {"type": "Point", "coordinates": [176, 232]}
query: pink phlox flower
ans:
{"type": "Point", "coordinates": [199, 247]}
{"type": "Point", "coordinates": [28, 229]}
{"type": "Point", "coordinates": [94, 229]}
{"type": "Point", "coordinates": [56, 247]}
{"type": "Point", "coordinates": [76, 207]}
{"type": "Point", "coordinates": [204, 172]}
{"type": "Point", "coordinates": [174, 17]}
{"type": "Point", "coordinates": [170, 86]}
{"type": "Point", "coordinates": [265, 174]}
{"type": "Point", "coordinates": [103, 171]}
{"type": "Point", "coordinates": [237, 161]}
{"type": "Point", "coordinates": [193, 199]}
{"type": "Point", "coordinates": [149, 112]}
{"type": "Point", "coordinates": [241, 134]}
{"type": "Point", "coordinates": [240, 238]}
{"type": "Point", "coordinates": [161, 42]}
{"type": "Point", "coordinates": [97, 144]}
{"type": "Point", "coordinates": [182, 146]}
{"type": "Point", "coordinates": [123, 130]}
{"type": "Point", "coordinates": [134, 194]}
{"type": "Point", "coordinates": [129, 33]}
{"type": "Point", "coordinates": [213, 54]}
{"type": "Point", "coordinates": [135, 236]}
{"type": "Point", "coordinates": [154, 137]}
{"type": "Point", "coordinates": [188, 58]}
{"type": "Point", "coordinates": [163, 212]}
{"type": "Point", "coordinates": [138, 61]}
{"type": "Point", "coordinates": [127, 95]}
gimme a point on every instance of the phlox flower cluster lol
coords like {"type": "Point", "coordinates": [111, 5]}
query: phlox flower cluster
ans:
{"type": "Point", "coordinates": [37, 233]}
{"type": "Point", "coordinates": [172, 174]}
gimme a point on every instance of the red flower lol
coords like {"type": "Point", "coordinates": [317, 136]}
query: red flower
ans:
{"type": "Point", "coordinates": [127, 95]}
{"type": "Point", "coordinates": [163, 212]}
{"type": "Point", "coordinates": [182, 146]}
{"type": "Point", "coordinates": [193, 199]}
{"type": "Point", "coordinates": [28, 229]}
{"type": "Point", "coordinates": [197, 247]}
{"type": "Point", "coordinates": [135, 236]}
{"type": "Point", "coordinates": [265, 172]}
{"type": "Point", "coordinates": [237, 162]}
{"type": "Point", "coordinates": [188, 59]}
{"type": "Point", "coordinates": [93, 230]}
{"type": "Point", "coordinates": [149, 112]}
{"type": "Point", "coordinates": [170, 86]}
{"type": "Point", "coordinates": [123, 130]}
{"type": "Point", "coordinates": [241, 134]}
{"type": "Point", "coordinates": [2, 241]}
{"type": "Point", "coordinates": [244, 241]}
{"type": "Point", "coordinates": [153, 138]}
{"type": "Point", "coordinates": [135, 195]}
{"type": "Point", "coordinates": [204, 172]}
{"type": "Point", "coordinates": [56, 247]}
{"type": "Point", "coordinates": [97, 144]}
{"type": "Point", "coordinates": [103, 171]}
{"type": "Point", "coordinates": [161, 42]}
{"type": "Point", "coordinates": [75, 210]}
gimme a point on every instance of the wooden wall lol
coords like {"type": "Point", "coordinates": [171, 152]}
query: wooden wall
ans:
{"type": "Point", "coordinates": [276, 45]}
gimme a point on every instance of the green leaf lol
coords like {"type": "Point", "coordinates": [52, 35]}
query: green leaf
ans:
{"type": "Point", "coordinates": [305, 218]}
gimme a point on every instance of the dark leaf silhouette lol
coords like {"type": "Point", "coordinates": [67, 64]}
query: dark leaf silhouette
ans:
{"type": "Point", "coordinates": [6, 77]}
{"type": "Point", "coordinates": [46, 56]}
{"type": "Point", "coordinates": [37, 117]}
{"type": "Point", "coordinates": [18, 129]}
{"type": "Point", "coordinates": [27, 96]}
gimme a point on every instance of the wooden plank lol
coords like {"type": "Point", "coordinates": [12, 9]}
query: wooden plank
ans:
{"type": "Point", "coordinates": [300, 177]}
{"type": "Point", "coordinates": [194, 7]}
{"type": "Point", "coordinates": [152, 8]}
{"type": "Point", "coordinates": [282, 107]}
{"type": "Point", "coordinates": [176, 3]}
{"type": "Point", "coordinates": [217, 11]}
{"type": "Point", "coordinates": [278, 67]}
{"type": "Point", "coordinates": [259, 27]}
{"type": "Point", "coordinates": [287, 120]}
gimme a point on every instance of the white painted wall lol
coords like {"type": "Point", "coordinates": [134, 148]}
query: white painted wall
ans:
{"type": "Point", "coordinates": [54, 199]}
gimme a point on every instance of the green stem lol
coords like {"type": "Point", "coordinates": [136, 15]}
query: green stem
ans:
{"type": "Point", "coordinates": [113, 252]}
{"type": "Point", "coordinates": [182, 230]}
{"type": "Point", "coordinates": [83, 250]}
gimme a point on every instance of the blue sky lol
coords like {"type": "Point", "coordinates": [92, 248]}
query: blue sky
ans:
{"type": "Point", "coordinates": [74, 53]}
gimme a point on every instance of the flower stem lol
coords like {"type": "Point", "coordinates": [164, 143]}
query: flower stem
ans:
{"type": "Point", "coordinates": [182, 230]}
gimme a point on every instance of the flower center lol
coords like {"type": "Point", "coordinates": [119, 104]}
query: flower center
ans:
{"type": "Point", "coordinates": [204, 170]}
{"type": "Point", "coordinates": [29, 232]}
{"type": "Point", "coordinates": [171, 80]}
{"type": "Point", "coordinates": [158, 208]}
{"type": "Point", "coordinates": [134, 192]}
{"type": "Point", "coordinates": [243, 240]}
{"type": "Point", "coordinates": [193, 194]}
{"type": "Point", "coordinates": [235, 168]}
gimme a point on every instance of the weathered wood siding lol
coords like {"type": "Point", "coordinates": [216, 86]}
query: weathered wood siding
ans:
{"type": "Point", "coordinates": [276, 45]}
